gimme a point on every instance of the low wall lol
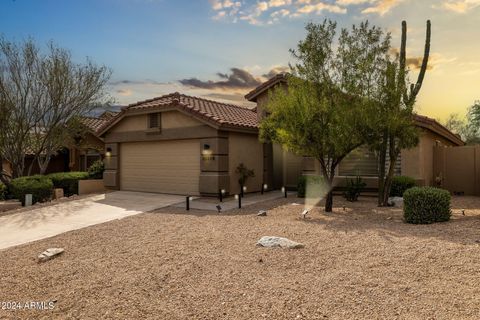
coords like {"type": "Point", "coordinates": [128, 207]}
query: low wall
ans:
{"type": "Point", "coordinates": [90, 186]}
{"type": "Point", "coordinates": [457, 169]}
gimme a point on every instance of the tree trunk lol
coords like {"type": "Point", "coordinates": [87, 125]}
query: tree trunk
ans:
{"type": "Point", "coordinates": [329, 201]}
{"type": "Point", "coordinates": [382, 159]}
{"type": "Point", "coordinates": [44, 161]}
{"type": "Point", "coordinates": [393, 152]}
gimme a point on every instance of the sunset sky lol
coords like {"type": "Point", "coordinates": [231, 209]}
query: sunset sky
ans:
{"type": "Point", "coordinates": [221, 49]}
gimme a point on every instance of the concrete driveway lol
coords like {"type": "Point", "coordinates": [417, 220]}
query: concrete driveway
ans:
{"type": "Point", "coordinates": [49, 221]}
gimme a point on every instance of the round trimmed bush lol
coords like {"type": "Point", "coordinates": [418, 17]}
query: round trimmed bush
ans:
{"type": "Point", "coordinates": [40, 187]}
{"type": "Point", "coordinates": [68, 181]}
{"type": "Point", "coordinates": [400, 184]}
{"type": "Point", "coordinates": [423, 205]}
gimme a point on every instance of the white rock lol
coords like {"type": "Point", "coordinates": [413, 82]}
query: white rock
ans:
{"type": "Point", "coordinates": [262, 213]}
{"type": "Point", "coordinates": [49, 254]}
{"type": "Point", "coordinates": [395, 201]}
{"type": "Point", "coordinates": [278, 242]}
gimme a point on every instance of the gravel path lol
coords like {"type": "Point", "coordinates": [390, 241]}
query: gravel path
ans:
{"type": "Point", "coordinates": [359, 263]}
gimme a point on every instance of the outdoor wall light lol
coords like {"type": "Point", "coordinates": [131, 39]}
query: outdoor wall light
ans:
{"type": "Point", "coordinates": [236, 197]}
{"type": "Point", "coordinates": [109, 152]}
{"type": "Point", "coordinates": [244, 188]}
{"type": "Point", "coordinates": [265, 186]}
{"type": "Point", "coordinates": [223, 191]}
{"type": "Point", "coordinates": [283, 189]}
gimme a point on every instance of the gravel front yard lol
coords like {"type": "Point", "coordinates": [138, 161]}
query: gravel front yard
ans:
{"type": "Point", "coordinates": [362, 262]}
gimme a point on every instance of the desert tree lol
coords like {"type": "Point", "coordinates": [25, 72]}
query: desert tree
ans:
{"type": "Point", "coordinates": [319, 113]}
{"type": "Point", "coordinates": [44, 91]}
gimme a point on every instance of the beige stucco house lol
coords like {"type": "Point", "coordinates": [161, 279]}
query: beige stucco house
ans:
{"type": "Point", "coordinates": [187, 145]}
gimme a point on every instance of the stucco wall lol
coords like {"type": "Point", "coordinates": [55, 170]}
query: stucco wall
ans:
{"type": "Point", "coordinates": [175, 119]}
{"type": "Point", "coordinates": [418, 161]}
{"type": "Point", "coordinates": [246, 149]}
{"type": "Point", "coordinates": [131, 123]}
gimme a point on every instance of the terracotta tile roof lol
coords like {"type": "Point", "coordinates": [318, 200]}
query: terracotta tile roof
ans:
{"type": "Point", "coordinates": [108, 115]}
{"type": "Point", "coordinates": [279, 78]}
{"type": "Point", "coordinates": [94, 124]}
{"type": "Point", "coordinates": [221, 114]}
{"type": "Point", "coordinates": [433, 125]}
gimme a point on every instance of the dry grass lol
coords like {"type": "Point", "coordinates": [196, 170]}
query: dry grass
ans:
{"type": "Point", "coordinates": [361, 262]}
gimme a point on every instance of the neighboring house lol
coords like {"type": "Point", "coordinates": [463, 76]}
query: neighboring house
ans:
{"type": "Point", "coordinates": [187, 145]}
{"type": "Point", "coordinates": [74, 158]}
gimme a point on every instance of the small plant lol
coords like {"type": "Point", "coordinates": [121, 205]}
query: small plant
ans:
{"type": "Point", "coordinates": [400, 184]}
{"type": "Point", "coordinates": [40, 187]}
{"type": "Point", "coordinates": [68, 181]}
{"type": "Point", "coordinates": [426, 205]}
{"type": "Point", "coordinates": [3, 191]}
{"type": "Point", "coordinates": [95, 171]}
{"type": "Point", "coordinates": [310, 186]}
{"type": "Point", "coordinates": [354, 188]}
{"type": "Point", "coordinates": [244, 174]}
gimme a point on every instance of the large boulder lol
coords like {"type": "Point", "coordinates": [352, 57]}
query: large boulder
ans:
{"type": "Point", "coordinates": [278, 242]}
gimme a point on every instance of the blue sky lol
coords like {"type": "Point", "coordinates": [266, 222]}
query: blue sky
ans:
{"type": "Point", "coordinates": [157, 46]}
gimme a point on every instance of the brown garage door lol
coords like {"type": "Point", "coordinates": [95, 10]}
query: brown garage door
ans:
{"type": "Point", "coordinates": [165, 167]}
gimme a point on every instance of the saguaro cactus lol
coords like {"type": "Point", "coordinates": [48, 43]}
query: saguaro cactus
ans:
{"type": "Point", "coordinates": [396, 137]}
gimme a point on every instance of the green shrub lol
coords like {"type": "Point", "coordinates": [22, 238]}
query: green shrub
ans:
{"type": "Point", "coordinates": [400, 184]}
{"type": "Point", "coordinates": [310, 186]}
{"type": "Point", "coordinates": [68, 181]}
{"type": "Point", "coordinates": [3, 191]}
{"type": "Point", "coordinates": [96, 170]}
{"type": "Point", "coordinates": [354, 187]}
{"type": "Point", "coordinates": [40, 187]}
{"type": "Point", "coordinates": [426, 205]}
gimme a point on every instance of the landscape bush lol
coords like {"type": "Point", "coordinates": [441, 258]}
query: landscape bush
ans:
{"type": "Point", "coordinates": [424, 205]}
{"type": "Point", "coordinates": [40, 187]}
{"type": "Point", "coordinates": [95, 171]}
{"type": "Point", "coordinates": [3, 191]}
{"type": "Point", "coordinates": [310, 186]}
{"type": "Point", "coordinates": [68, 181]}
{"type": "Point", "coordinates": [354, 188]}
{"type": "Point", "coordinates": [400, 184]}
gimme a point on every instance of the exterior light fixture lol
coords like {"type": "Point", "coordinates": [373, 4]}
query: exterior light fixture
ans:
{"type": "Point", "coordinates": [304, 213]}
{"type": "Point", "coordinates": [187, 202]}
{"type": "Point", "coordinates": [109, 152]}
{"type": "Point", "coordinates": [239, 198]}
{"type": "Point", "coordinates": [244, 188]}
{"type": "Point", "coordinates": [207, 152]}
{"type": "Point", "coordinates": [221, 193]}
{"type": "Point", "coordinates": [284, 191]}
{"type": "Point", "coordinates": [264, 188]}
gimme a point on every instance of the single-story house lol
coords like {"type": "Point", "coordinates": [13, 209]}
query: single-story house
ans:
{"type": "Point", "coordinates": [181, 144]}
{"type": "Point", "coordinates": [416, 162]}
{"type": "Point", "coordinates": [73, 158]}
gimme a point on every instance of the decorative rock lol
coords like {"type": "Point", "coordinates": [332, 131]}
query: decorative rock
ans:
{"type": "Point", "coordinates": [395, 202]}
{"type": "Point", "coordinates": [262, 213]}
{"type": "Point", "coordinates": [49, 254]}
{"type": "Point", "coordinates": [278, 242]}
